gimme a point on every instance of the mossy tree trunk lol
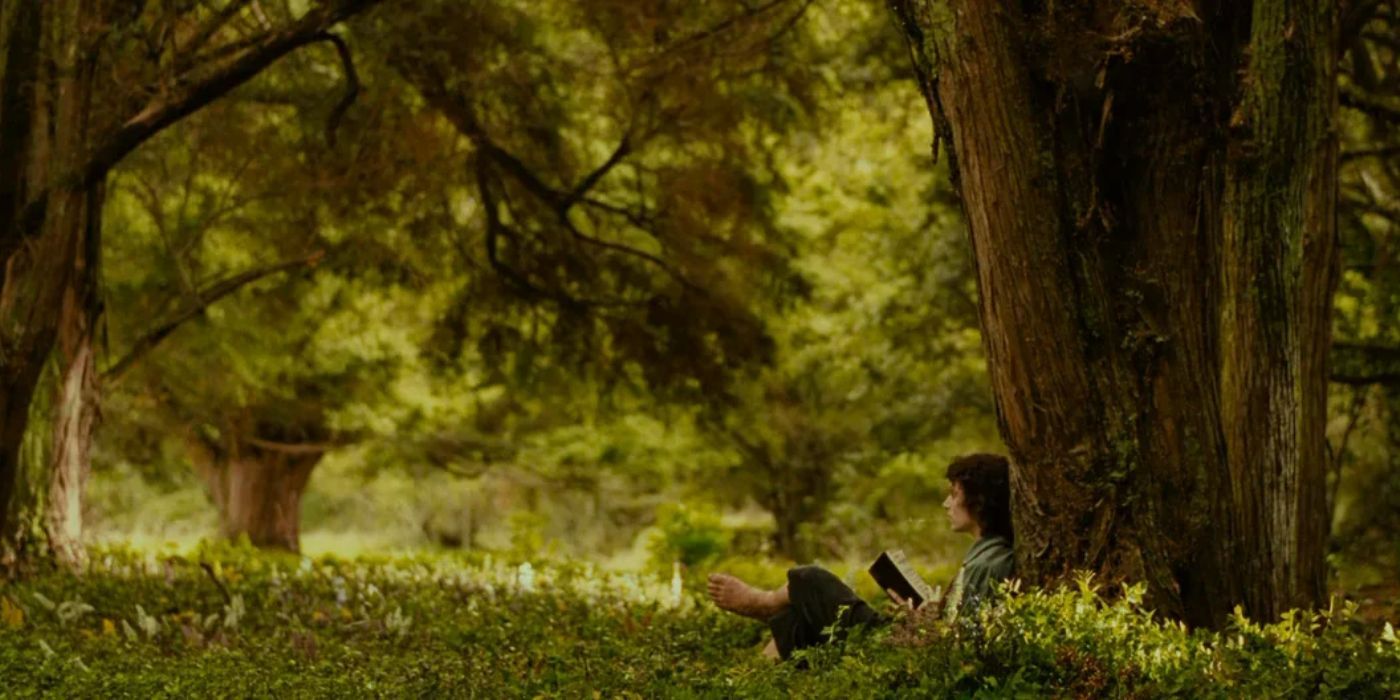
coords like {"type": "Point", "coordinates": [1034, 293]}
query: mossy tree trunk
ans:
{"type": "Point", "coordinates": [47, 114]}
{"type": "Point", "coordinates": [1150, 190]}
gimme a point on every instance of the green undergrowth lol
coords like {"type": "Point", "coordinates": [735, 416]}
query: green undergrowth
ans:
{"type": "Point", "coordinates": [228, 622]}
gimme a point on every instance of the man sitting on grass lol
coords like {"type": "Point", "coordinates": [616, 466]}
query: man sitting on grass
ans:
{"type": "Point", "coordinates": [799, 613]}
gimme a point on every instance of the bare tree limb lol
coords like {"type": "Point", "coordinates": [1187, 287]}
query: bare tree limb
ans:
{"type": "Point", "coordinates": [206, 298]}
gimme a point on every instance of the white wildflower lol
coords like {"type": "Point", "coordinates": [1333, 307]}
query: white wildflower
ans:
{"type": "Point", "coordinates": [148, 624]}
{"type": "Point", "coordinates": [71, 610]}
{"type": "Point", "coordinates": [397, 622]}
{"type": "Point", "coordinates": [676, 584]}
{"type": "Point", "coordinates": [234, 611]}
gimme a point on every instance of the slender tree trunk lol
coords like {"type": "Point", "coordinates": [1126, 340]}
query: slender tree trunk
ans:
{"type": "Point", "coordinates": [1149, 189]}
{"type": "Point", "coordinates": [798, 495]}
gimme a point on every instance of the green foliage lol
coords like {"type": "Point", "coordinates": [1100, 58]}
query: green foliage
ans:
{"type": "Point", "coordinates": [1364, 418]}
{"type": "Point", "coordinates": [227, 620]}
{"type": "Point", "coordinates": [690, 535]}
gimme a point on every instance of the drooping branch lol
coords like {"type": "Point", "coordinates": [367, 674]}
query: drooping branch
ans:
{"type": "Point", "coordinates": [204, 299]}
{"type": "Point", "coordinates": [170, 108]}
{"type": "Point", "coordinates": [352, 85]}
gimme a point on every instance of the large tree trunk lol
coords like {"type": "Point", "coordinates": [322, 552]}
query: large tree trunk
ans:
{"type": "Point", "coordinates": [257, 487]}
{"type": "Point", "coordinates": [1149, 190]}
{"type": "Point", "coordinates": [262, 498]}
{"type": "Point", "coordinates": [52, 100]}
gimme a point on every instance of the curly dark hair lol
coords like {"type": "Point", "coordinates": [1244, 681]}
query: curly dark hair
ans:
{"type": "Point", "coordinates": [986, 487]}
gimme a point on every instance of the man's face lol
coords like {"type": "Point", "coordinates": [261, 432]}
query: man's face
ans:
{"type": "Point", "coordinates": [958, 517]}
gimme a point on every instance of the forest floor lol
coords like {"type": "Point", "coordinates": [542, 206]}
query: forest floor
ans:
{"type": "Point", "coordinates": [226, 621]}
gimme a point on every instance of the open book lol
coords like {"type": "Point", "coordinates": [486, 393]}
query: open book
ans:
{"type": "Point", "coordinates": [894, 573]}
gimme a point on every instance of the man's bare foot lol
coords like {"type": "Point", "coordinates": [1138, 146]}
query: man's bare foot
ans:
{"type": "Point", "coordinates": [735, 596]}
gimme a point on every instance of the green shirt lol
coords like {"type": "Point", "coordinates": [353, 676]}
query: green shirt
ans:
{"type": "Point", "coordinates": [989, 560]}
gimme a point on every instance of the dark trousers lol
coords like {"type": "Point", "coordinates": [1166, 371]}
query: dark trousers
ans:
{"type": "Point", "coordinates": [820, 601]}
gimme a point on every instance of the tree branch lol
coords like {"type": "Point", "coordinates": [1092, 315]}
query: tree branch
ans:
{"type": "Point", "coordinates": [296, 448]}
{"type": "Point", "coordinates": [205, 298]}
{"type": "Point", "coordinates": [591, 180]}
{"type": "Point", "coordinates": [1376, 107]}
{"type": "Point", "coordinates": [1376, 152]}
{"type": "Point", "coordinates": [352, 85]}
{"type": "Point", "coordinates": [1360, 364]}
{"type": "Point", "coordinates": [188, 52]}
{"type": "Point", "coordinates": [169, 107]}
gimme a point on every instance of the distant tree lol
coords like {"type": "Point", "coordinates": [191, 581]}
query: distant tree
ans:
{"type": "Point", "coordinates": [267, 304]}
{"type": "Point", "coordinates": [1151, 191]}
{"type": "Point", "coordinates": [83, 85]}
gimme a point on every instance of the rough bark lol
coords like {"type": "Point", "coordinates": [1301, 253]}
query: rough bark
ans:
{"type": "Point", "coordinates": [41, 252]}
{"type": "Point", "coordinates": [1149, 188]}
